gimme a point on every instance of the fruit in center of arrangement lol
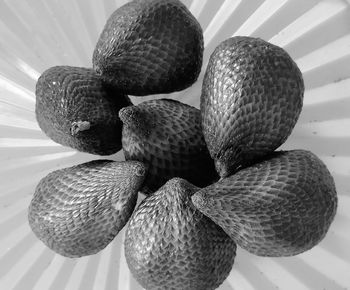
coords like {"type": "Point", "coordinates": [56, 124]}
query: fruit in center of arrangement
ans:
{"type": "Point", "coordinates": [77, 211]}
{"type": "Point", "coordinates": [281, 206]}
{"type": "Point", "coordinates": [76, 109]}
{"type": "Point", "coordinates": [251, 98]}
{"type": "Point", "coordinates": [171, 245]}
{"type": "Point", "coordinates": [166, 135]}
{"type": "Point", "coordinates": [150, 47]}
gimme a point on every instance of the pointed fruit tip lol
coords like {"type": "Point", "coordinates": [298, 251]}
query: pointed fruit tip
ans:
{"type": "Point", "coordinates": [140, 169]}
{"type": "Point", "coordinates": [79, 126]}
{"type": "Point", "coordinates": [222, 169]}
{"type": "Point", "coordinates": [197, 200]}
{"type": "Point", "coordinates": [181, 186]}
{"type": "Point", "coordinates": [129, 114]}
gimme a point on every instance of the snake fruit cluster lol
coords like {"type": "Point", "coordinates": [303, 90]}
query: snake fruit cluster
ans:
{"type": "Point", "coordinates": [171, 245]}
{"type": "Point", "coordinates": [77, 211]}
{"type": "Point", "coordinates": [183, 235]}
{"type": "Point", "coordinates": [146, 47]}
{"type": "Point", "coordinates": [166, 135]}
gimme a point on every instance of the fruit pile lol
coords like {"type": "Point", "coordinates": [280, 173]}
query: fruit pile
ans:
{"type": "Point", "coordinates": [212, 177]}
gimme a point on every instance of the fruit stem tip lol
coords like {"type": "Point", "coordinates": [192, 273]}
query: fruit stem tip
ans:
{"type": "Point", "coordinates": [79, 126]}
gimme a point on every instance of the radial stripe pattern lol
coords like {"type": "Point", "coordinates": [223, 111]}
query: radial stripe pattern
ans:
{"type": "Point", "coordinates": [38, 34]}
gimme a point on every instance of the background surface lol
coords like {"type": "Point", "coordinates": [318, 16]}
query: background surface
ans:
{"type": "Point", "coordinates": [38, 34]}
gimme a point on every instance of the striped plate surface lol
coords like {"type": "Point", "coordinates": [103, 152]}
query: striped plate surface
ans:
{"type": "Point", "coordinates": [35, 35]}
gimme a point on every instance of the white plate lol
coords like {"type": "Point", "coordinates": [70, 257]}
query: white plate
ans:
{"type": "Point", "coordinates": [35, 35]}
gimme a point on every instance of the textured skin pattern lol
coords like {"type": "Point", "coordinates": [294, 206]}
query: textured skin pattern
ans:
{"type": "Point", "coordinates": [77, 211]}
{"type": "Point", "coordinates": [67, 96]}
{"type": "Point", "coordinates": [166, 135]}
{"type": "Point", "coordinates": [171, 245]}
{"type": "Point", "coordinates": [282, 206]}
{"type": "Point", "coordinates": [150, 47]}
{"type": "Point", "coordinates": [251, 98]}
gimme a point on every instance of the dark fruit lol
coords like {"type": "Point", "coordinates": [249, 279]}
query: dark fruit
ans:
{"type": "Point", "coordinates": [166, 135]}
{"type": "Point", "coordinates": [150, 47]}
{"type": "Point", "coordinates": [76, 109]}
{"type": "Point", "coordinates": [251, 98]}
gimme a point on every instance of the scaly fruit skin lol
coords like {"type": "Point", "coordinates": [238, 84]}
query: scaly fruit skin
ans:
{"type": "Point", "coordinates": [166, 135]}
{"type": "Point", "coordinates": [150, 47]}
{"type": "Point", "coordinates": [282, 206]}
{"type": "Point", "coordinates": [76, 109]}
{"type": "Point", "coordinates": [251, 98]}
{"type": "Point", "coordinates": [171, 245]}
{"type": "Point", "coordinates": [77, 211]}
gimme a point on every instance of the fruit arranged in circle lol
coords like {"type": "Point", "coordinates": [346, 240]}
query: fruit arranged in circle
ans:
{"type": "Point", "coordinates": [183, 235]}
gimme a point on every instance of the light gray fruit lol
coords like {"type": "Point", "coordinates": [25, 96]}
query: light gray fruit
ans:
{"type": "Point", "coordinates": [77, 211]}
{"type": "Point", "coordinates": [282, 206]}
{"type": "Point", "coordinates": [171, 245]}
